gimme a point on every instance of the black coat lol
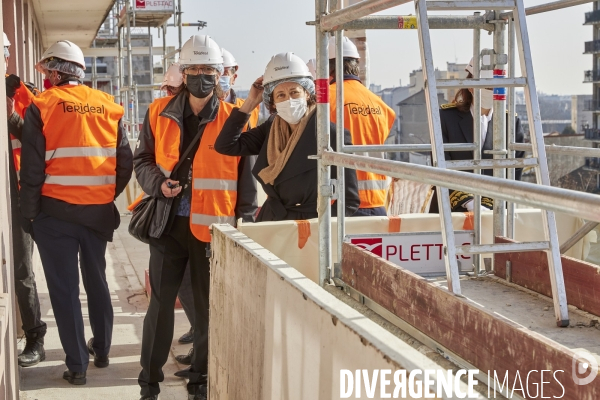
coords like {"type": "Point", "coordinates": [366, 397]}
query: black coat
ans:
{"type": "Point", "coordinates": [457, 127]}
{"type": "Point", "coordinates": [294, 194]}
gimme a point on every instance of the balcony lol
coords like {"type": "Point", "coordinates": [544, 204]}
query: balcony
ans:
{"type": "Point", "coordinates": [592, 47]}
{"type": "Point", "coordinates": [592, 17]}
{"type": "Point", "coordinates": [591, 76]}
{"type": "Point", "coordinates": [592, 163]}
{"type": "Point", "coordinates": [592, 134]}
{"type": "Point", "coordinates": [591, 105]}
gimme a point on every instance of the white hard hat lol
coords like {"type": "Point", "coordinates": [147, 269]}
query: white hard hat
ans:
{"type": "Point", "coordinates": [173, 77]}
{"type": "Point", "coordinates": [484, 73]}
{"type": "Point", "coordinates": [312, 67]}
{"type": "Point", "coordinates": [228, 59]}
{"type": "Point", "coordinates": [6, 41]}
{"type": "Point", "coordinates": [348, 48]}
{"type": "Point", "coordinates": [64, 50]}
{"type": "Point", "coordinates": [283, 66]}
{"type": "Point", "coordinates": [200, 49]}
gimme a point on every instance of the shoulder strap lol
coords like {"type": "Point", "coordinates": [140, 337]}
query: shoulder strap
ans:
{"type": "Point", "coordinates": [186, 152]}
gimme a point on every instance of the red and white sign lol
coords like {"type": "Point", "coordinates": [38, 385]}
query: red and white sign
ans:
{"type": "Point", "coordinates": [419, 252]}
{"type": "Point", "coordinates": [155, 5]}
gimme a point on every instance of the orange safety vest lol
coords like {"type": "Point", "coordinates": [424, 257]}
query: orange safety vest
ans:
{"type": "Point", "coordinates": [253, 116]}
{"type": "Point", "coordinates": [80, 128]}
{"type": "Point", "coordinates": [215, 176]}
{"type": "Point", "coordinates": [369, 121]}
{"type": "Point", "coordinates": [23, 97]}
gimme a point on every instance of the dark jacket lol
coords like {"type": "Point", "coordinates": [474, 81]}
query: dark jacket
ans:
{"type": "Point", "coordinates": [101, 218]}
{"type": "Point", "coordinates": [294, 194]}
{"type": "Point", "coordinates": [151, 178]}
{"type": "Point", "coordinates": [457, 127]}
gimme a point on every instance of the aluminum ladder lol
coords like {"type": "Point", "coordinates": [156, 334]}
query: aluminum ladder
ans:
{"type": "Point", "coordinates": [539, 162]}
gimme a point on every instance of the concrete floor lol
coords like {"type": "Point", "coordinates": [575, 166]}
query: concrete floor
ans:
{"type": "Point", "coordinates": [126, 261]}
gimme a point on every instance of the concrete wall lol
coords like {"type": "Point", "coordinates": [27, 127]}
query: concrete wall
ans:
{"type": "Point", "coordinates": [579, 116]}
{"type": "Point", "coordinates": [275, 335]}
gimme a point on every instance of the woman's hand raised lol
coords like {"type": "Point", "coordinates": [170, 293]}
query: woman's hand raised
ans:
{"type": "Point", "coordinates": [254, 97]}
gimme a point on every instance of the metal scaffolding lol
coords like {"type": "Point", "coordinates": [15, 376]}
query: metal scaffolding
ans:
{"type": "Point", "coordinates": [131, 17]}
{"type": "Point", "coordinates": [491, 16]}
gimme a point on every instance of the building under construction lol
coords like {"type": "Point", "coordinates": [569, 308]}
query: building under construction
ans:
{"type": "Point", "coordinates": [481, 304]}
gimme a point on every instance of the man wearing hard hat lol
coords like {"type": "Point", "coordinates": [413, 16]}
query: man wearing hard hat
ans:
{"type": "Point", "coordinates": [228, 80]}
{"type": "Point", "coordinates": [18, 98]}
{"type": "Point", "coordinates": [368, 119]}
{"type": "Point", "coordinates": [76, 161]}
{"type": "Point", "coordinates": [193, 187]}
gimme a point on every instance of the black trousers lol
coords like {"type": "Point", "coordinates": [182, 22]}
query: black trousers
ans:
{"type": "Point", "coordinates": [60, 244]}
{"type": "Point", "coordinates": [25, 287]}
{"type": "Point", "coordinates": [186, 295]}
{"type": "Point", "coordinates": [169, 256]}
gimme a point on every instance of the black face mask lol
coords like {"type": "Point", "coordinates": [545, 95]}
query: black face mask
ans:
{"type": "Point", "coordinates": [201, 85]}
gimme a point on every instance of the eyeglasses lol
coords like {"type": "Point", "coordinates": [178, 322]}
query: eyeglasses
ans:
{"type": "Point", "coordinates": [205, 69]}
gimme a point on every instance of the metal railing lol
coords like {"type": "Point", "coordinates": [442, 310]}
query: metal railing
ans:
{"type": "Point", "coordinates": [591, 76]}
{"type": "Point", "coordinates": [592, 133]}
{"type": "Point", "coordinates": [591, 105]}
{"type": "Point", "coordinates": [592, 47]}
{"type": "Point", "coordinates": [592, 163]}
{"type": "Point", "coordinates": [592, 17]}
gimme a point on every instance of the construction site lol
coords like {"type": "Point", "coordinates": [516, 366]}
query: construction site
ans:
{"type": "Point", "coordinates": [481, 304]}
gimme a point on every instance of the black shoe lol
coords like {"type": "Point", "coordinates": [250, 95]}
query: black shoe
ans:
{"type": "Point", "coordinates": [34, 351]}
{"type": "Point", "coordinates": [99, 361]}
{"type": "Point", "coordinates": [201, 394]}
{"type": "Point", "coordinates": [149, 397]}
{"type": "Point", "coordinates": [185, 359]}
{"type": "Point", "coordinates": [183, 373]}
{"type": "Point", "coordinates": [74, 378]}
{"type": "Point", "coordinates": [187, 337]}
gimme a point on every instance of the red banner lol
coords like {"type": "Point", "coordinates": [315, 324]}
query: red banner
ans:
{"type": "Point", "coordinates": [322, 90]}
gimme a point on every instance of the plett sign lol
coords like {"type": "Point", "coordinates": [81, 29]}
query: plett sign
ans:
{"type": "Point", "coordinates": [155, 5]}
{"type": "Point", "coordinates": [419, 252]}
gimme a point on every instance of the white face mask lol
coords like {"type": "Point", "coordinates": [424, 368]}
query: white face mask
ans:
{"type": "Point", "coordinates": [292, 110]}
{"type": "Point", "coordinates": [487, 99]}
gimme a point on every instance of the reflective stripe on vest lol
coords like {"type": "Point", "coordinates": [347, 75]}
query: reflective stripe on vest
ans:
{"type": "Point", "coordinates": [215, 184]}
{"type": "Point", "coordinates": [214, 189]}
{"type": "Point", "coordinates": [208, 220]}
{"type": "Point", "coordinates": [81, 152]}
{"type": "Point", "coordinates": [369, 121]}
{"type": "Point", "coordinates": [81, 180]}
{"type": "Point", "coordinates": [373, 185]}
{"type": "Point", "coordinates": [80, 166]}
{"type": "Point", "coordinates": [15, 143]}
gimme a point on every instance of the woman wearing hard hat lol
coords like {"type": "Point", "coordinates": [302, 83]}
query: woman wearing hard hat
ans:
{"type": "Point", "coordinates": [191, 187]}
{"type": "Point", "coordinates": [457, 127]}
{"type": "Point", "coordinates": [284, 142]}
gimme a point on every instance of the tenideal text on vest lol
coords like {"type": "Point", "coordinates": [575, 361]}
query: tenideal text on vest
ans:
{"type": "Point", "coordinates": [70, 106]}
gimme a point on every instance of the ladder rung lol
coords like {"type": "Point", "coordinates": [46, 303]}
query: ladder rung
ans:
{"type": "Point", "coordinates": [502, 248]}
{"type": "Point", "coordinates": [481, 83]}
{"type": "Point", "coordinates": [471, 5]}
{"type": "Point", "coordinates": [491, 164]}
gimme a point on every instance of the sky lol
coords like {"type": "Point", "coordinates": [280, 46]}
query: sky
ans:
{"type": "Point", "coordinates": [253, 31]}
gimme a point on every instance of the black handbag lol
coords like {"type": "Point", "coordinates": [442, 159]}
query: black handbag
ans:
{"type": "Point", "coordinates": [143, 213]}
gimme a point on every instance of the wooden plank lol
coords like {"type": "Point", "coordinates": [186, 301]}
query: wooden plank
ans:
{"type": "Point", "coordinates": [485, 340]}
{"type": "Point", "coordinates": [530, 270]}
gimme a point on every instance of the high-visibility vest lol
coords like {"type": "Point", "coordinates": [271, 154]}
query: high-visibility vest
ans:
{"type": "Point", "coordinates": [253, 116]}
{"type": "Point", "coordinates": [369, 121]}
{"type": "Point", "coordinates": [23, 97]}
{"type": "Point", "coordinates": [214, 176]}
{"type": "Point", "coordinates": [80, 128]}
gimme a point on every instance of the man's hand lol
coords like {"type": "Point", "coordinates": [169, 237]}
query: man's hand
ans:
{"type": "Point", "coordinates": [170, 188]}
